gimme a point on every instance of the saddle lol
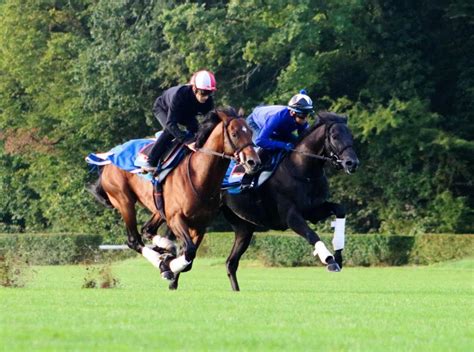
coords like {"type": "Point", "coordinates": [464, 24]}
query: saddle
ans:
{"type": "Point", "coordinates": [236, 173]}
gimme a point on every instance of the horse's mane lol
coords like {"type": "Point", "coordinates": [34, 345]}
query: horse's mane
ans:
{"type": "Point", "coordinates": [210, 122]}
{"type": "Point", "coordinates": [323, 118]}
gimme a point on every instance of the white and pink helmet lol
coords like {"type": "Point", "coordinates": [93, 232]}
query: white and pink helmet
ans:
{"type": "Point", "coordinates": [204, 80]}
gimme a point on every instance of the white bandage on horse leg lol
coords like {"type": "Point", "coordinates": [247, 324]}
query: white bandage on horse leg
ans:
{"type": "Point", "coordinates": [322, 252]}
{"type": "Point", "coordinates": [164, 243]}
{"type": "Point", "coordinates": [339, 233]}
{"type": "Point", "coordinates": [152, 256]}
{"type": "Point", "coordinates": [177, 265]}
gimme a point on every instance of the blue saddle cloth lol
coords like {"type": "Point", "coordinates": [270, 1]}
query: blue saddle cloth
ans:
{"type": "Point", "coordinates": [234, 174]}
{"type": "Point", "coordinates": [124, 156]}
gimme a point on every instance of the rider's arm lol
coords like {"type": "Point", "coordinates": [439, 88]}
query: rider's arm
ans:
{"type": "Point", "coordinates": [264, 140]}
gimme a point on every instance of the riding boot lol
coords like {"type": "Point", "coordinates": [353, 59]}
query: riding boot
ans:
{"type": "Point", "coordinates": [159, 148]}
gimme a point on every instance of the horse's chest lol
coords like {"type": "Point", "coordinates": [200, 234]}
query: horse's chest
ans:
{"type": "Point", "coordinates": [310, 196]}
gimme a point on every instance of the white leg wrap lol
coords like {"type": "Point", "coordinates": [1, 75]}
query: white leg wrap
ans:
{"type": "Point", "coordinates": [152, 256]}
{"type": "Point", "coordinates": [177, 265]}
{"type": "Point", "coordinates": [321, 251]}
{"type": "Point", "coordinates": [339, 233]}
{"type": "Point", "coordinates": [164, 243]}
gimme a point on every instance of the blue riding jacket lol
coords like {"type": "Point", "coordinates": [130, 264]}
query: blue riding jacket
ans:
{"type": "Point", "coordinates": [275, 126]}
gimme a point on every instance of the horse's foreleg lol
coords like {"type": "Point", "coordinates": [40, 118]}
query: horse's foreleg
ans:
{"type": "Point", "coordinates": [322, 213]}
{"type": "Point", "coordinates": [298, 224]}
{"type": "Point", "coordinates": [181, 229]}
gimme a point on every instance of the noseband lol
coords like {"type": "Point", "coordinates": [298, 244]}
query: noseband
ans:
{"type": "Point", "coordinates": [334, 155]}
{"type": "Point", "coordinates": [223, 155]}
{"type": "Point", "coordinates": [229, 139]}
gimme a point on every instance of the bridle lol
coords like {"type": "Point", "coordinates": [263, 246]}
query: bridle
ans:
{"type": "Point", "coordinates": [223, 155]}
{"type": "Point", "coordinates": [334, 155]}
{"type": "Point", "coordinates": [227, 139]}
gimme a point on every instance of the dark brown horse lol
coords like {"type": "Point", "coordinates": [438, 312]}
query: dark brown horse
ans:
{"type": "Point", "coordinates": [190, 191]}
{"type": "Point", "coordinates": [297, 192]}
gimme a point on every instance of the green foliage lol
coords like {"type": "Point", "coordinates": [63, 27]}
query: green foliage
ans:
{"type": "Point", "coordinates": [81, 76]}
{"type": "Point", "coordinates": [100, 277]}
{"type": "Point", "coordinates": [14, 271]}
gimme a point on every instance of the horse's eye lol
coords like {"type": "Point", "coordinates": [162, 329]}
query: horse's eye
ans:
{"type": "Point", "coordinates": [234, 135]}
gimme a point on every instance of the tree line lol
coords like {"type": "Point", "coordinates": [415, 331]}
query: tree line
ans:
{"type": "Point", "coordinates": [80, 76]}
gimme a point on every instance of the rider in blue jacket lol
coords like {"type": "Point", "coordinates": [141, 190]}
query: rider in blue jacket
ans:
{"type": "Point", "coordinates": [273, 127]}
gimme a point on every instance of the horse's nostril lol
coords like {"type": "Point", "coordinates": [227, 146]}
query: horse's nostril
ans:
{"type": "Point", "coordinates": [251, 162]}
{"type": "Point", "coordinates": [349, 163]}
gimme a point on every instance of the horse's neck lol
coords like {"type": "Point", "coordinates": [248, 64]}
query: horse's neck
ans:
{"type": "Point", "coordinates": [312, 144]}
{"type": "Point", "coordinates": [209, 170]}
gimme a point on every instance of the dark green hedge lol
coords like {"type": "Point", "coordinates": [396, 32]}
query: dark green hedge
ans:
{"type": "Point", "coordinates": [43, 249]}
{"type": "Point", "coordinates": [360, 250]}
{"type": "Point", "coordinates": [272, 249]}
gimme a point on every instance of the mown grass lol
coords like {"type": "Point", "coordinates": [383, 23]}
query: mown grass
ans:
{"type": "Point", "coordinates": [290, 309]}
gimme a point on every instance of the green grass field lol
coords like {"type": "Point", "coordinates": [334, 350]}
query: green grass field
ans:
{"type": "Point", "coordinates": [291, 309]}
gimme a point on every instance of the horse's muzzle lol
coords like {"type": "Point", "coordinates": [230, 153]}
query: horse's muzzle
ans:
{"type": "Point", "coordinates": [250, 160]}
{"type": "Point", "coordinates": [350, 165]}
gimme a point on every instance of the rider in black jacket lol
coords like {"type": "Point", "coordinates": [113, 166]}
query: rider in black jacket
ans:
{"type": "Point", "coordinates": [179, 105]}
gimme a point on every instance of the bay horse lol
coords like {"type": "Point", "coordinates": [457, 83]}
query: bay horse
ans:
{"type": "Point", "coordinates": [191, 191]}
{"type": "Point", "coordinates": [298, 191]}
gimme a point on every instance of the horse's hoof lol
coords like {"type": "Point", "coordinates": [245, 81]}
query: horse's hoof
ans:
{"type": "Point", "coordinates": [167, 275]}
{"type": "Point", "coordinates": [334, 267]}
{"type": "Point", "coordinates": [165, 271]}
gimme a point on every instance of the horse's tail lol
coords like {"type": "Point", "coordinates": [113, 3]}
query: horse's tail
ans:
{"type": "Point", "coordinates": [98, 192]}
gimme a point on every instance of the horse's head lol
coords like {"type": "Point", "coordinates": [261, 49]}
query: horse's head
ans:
{"type": "Point", "coordinates": [238, 140]}
{"type": "Point", "coordinates": [235, 137]}
{"type": "Point", "coordinates": [339, 143]}
{"type": "Point", "coordinates": [338, 140]}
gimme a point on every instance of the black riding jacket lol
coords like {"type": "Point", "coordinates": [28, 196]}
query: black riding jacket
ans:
{"type": "Point", "coordinates": [180, 106]}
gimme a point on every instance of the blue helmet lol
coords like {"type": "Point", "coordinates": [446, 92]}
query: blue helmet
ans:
{"type": "Point", "coordinates": [301, 103]}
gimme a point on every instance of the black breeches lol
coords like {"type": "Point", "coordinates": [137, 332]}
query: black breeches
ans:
{"type": "Point", "coordinates": [159, 148]}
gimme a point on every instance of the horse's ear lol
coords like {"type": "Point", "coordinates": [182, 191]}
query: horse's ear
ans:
{"type": "Point", "coordinates": [241, 112]}
{"type": "Point", "coordinates": [346, 118]}
{"type": "Point", "coordinates": [223, 117]}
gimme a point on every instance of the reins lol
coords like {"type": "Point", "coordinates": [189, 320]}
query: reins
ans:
{"type": "Point", "coordinates": [222, 155]}
{"type": "Point", "coordinates": [316, 156]}
{"type": "Point", "coordinates": [333, 156]}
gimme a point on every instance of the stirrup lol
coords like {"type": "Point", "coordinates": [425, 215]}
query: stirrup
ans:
{"type": "Point", "coordinates": [148, 169]}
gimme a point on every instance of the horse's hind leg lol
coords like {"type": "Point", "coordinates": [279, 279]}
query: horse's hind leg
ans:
{"type": "Point", "coordinates": [126, 207]}
{"type": "Point", "coordinates": [243, 235]}
{"type": "Point", "coordinates": [150, 228]}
